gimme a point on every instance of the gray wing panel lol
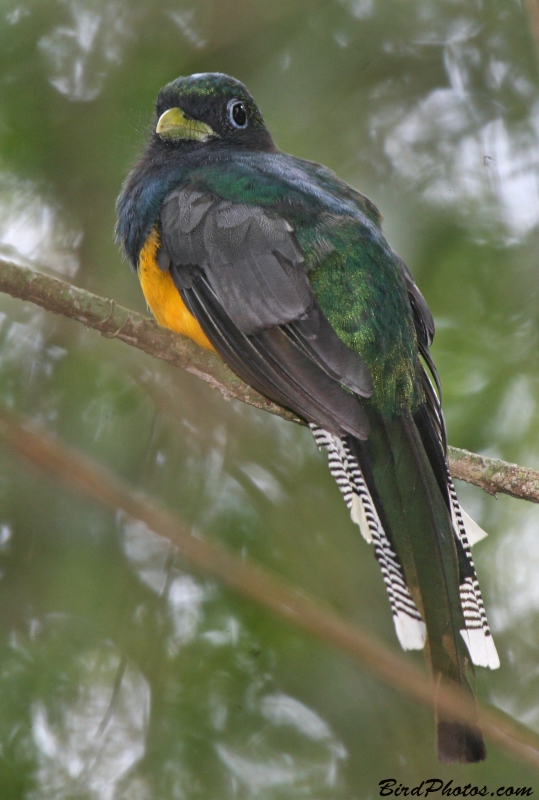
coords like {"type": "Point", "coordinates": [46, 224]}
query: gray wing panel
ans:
{"type": "Point", "coordinates": [251, 260]}
{"type": "Point", "coordinates": [256, 272]}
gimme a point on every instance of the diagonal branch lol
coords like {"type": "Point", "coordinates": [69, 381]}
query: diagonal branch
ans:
{"type": "Point", "coordinates": [274, 594]}
{"type": "Point", "coordinates": [115, 321]}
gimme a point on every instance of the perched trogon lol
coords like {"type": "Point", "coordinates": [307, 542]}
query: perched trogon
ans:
{"type": "Point", "coordinates": [284, 271]}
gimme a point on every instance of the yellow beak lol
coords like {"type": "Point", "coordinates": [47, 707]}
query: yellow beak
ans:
{"type": "Point", "coordinates": [173, 124]}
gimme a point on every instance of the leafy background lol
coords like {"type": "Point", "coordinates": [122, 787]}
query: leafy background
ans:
{"type": "Point", "coordinates": [122, 674]}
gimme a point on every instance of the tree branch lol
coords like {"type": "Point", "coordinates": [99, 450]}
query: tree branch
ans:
{"type": "Point", "coordinates": [114, 321]}
{"type": "Point", "coordinates": [493, 475]}
{"type": "Point", "coordinates": [274, 594]}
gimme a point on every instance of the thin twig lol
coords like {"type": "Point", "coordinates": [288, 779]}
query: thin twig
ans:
{"type": "Point", "coordinates": [115, 321]}
{"type": "Point", "coordinates": [57, 461]}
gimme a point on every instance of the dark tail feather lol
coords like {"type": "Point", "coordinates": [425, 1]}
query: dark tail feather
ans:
{"type": "Point", "coordinates": [396, 495]}
{"type": "Point", "coordinates": [458, 743]}
{"type": "Point", "coordinates": [426, 540]}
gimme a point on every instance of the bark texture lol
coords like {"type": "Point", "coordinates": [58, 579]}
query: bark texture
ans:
{"type": "Point", "coordinates": [115, 321]}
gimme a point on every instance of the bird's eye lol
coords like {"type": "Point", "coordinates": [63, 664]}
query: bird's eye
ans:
{"type": "Point", "coordinates": [237, 114]}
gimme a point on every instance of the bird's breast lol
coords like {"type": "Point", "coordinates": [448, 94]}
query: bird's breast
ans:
{"type": "Point", "coordinates": [163, 297]}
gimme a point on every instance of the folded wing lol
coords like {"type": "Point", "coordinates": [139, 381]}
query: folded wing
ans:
{"type": "Point", "coordinates": [242, 275]}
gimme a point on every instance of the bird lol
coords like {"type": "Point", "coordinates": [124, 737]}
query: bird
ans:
{"type": "Point", "coordinates": [284, 271]}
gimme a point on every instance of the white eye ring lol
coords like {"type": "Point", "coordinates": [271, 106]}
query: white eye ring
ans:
{"type": "Point", "coordinates": [237, 114]}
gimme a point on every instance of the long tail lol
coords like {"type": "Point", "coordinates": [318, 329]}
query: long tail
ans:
{"type": "Point", "coordinates": [407, 507]}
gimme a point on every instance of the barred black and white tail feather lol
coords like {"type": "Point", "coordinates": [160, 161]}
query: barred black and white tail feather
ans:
{"type": "Point", "coordinates": [409, 625]}
{"type": "Point", "coordinates": [408, 622]}
{"type": "Point", "coordinates": [477, 633]}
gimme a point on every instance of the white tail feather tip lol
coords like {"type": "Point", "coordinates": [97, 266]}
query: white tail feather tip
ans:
{"type": "Point", "coordinates": [493, 657]}
{"type": "Point", "coordinates": [481, 647]}
{"type": "Point", "coordinates": [473, 531]}
{"type": "Point", "coordinates": [411, 632]}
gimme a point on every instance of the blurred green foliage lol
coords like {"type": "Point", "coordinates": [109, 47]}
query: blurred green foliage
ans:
{"type": "Point", "coordinates": [121, 674]}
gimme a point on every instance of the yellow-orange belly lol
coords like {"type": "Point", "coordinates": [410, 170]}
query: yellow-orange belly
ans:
{"type": "Point", "coordinates": [162, 296]}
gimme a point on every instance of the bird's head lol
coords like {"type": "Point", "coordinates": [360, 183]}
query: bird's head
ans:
{"type": "Point", "coordinates": [210, 107]}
